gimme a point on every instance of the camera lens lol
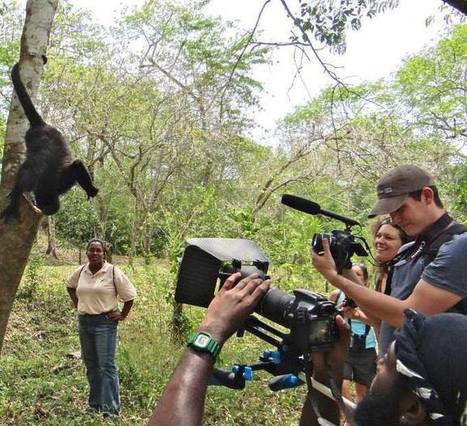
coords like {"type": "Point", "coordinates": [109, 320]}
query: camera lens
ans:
{"type": "Point", "coordinates": [274, 306]}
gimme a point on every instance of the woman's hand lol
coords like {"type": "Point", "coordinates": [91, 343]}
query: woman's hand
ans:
{"type": "Point", "coordinates": [324, 262]}
{"type": "Point", "coordinates": [116, 315]}
{"type": "Point", "coordinates": [352, 313]}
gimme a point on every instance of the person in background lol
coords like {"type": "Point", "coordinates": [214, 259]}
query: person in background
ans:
{"type": "Point", "coordinates": [360, 364]}
{"type": "Point", "coordinates": [93, 289]}
{"type": "Point", "coordinates": [387, 239]}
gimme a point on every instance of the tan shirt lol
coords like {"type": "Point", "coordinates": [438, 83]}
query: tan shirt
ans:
{"type": "Point", "coordinates": [97, 293]}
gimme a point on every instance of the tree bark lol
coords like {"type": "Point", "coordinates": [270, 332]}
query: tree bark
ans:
{"type": "Point", "coordinates": [51, 246]}
{"type": "Point", "coordinates": [16, 238]}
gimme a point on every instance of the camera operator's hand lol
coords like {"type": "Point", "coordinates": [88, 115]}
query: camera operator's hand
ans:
{"type": "Point", "coordinates": [231, 306]}
{"type": "Point", "coordinates": [182, 402]}
{"type": "Point", "coordinates": [324, 262]}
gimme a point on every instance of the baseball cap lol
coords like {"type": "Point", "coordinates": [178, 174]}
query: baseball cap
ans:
{"type": "Point", "coordinates": [394, 187]}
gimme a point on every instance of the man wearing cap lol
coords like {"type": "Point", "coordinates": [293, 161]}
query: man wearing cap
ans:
{"type": "Point", "coordinates": [429, 274]}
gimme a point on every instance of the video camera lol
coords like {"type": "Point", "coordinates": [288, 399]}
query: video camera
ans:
{"type": "Point", "coordinates": [342, 243]}
{"type": "Point", "coordinates": [310, 317]}
{"type": "Point", "coordinates": [206, 264]}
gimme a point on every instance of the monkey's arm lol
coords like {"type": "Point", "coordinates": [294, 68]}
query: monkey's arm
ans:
{"type": "Point", "coordinates": [77, 172]}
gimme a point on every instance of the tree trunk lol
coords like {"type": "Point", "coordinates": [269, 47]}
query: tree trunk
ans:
{"type": "Point", "coordinates": [109, 249]}
{"type": "Point", "coordinates": [51, 246]}
{"type": "Point", "coordinates": [147, 239]}
{"type": "Point", "coordinates": [16, 238]}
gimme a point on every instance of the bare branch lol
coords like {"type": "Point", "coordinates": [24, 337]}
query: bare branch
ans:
{"type": "Point", "coordinates": [232, 72]}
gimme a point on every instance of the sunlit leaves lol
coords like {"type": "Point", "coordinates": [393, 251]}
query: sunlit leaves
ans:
{"type": "Point", "coordinates": [327, 21]}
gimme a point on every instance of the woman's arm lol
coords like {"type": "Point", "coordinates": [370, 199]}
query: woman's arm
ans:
{"type": "Point", "coordinates": [73, 297]}
{"type": "Point", "coordinates": [121, 315]}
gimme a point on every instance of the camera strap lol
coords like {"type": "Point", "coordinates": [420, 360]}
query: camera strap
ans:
{"type": "Point", "coordinates": [336, 392]}
{"type": "Point", "coordinates": [333, 393]}
{"type": "Point", "coordinates": [312, 394]}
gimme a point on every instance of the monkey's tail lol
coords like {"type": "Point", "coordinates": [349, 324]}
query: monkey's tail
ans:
{"type": "Point", "coordinates": [33, 116]}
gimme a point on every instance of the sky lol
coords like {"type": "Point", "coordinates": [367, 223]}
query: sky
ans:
{"type": "Point", "coordinates": [374, 52]}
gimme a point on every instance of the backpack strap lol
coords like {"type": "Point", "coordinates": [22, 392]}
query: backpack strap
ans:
{"type": "Point", "coordinates": [367, 330]}
{"type": "Point", "coordinates": [113, 279]}
{"type": "Point", "coordinates": [79, 275]}
{"type": "Point", "coordinates": [431, 249]}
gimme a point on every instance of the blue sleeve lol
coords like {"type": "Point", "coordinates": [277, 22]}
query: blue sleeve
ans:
{"type": "Point", "coordinates": [449, 269]}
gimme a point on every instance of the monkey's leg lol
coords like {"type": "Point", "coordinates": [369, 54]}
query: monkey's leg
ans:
{"type": "Point", "coordinates": [77, 172]}
{"type": "Point", "coordinates": [26, 181]}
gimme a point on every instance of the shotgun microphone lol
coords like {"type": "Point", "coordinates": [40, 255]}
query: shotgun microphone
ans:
{"type": "Point", "coordinates": [310, 207]}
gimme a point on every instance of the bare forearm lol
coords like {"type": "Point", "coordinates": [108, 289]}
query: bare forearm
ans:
{"type": "Point", "coordinates": [328, 408]}
{"type": "Point", "coordinates": [182, 402]}
{"type": "Point", "coordinates": [126, 308]}
{"type": "Point", "coordinates": [378, 305]}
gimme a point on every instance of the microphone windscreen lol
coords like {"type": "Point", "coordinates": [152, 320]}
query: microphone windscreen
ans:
{"type": "Point", "coordinates": [301, 204]}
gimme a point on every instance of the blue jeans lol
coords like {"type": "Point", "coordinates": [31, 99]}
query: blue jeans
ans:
{"type": "Point", "coordinates": [98, 338]}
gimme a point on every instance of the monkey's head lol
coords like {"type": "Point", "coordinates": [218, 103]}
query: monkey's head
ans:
{"type": "Point", "coordinates": [48, 205]}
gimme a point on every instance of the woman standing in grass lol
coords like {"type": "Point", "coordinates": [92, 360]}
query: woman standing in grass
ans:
{"type": "Point", "coordinates": [94, 288]}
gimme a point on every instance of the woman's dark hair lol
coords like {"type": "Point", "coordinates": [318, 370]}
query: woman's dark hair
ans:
{"type": "Point", "coordinates": [95, 240]}
{"type": "Point", "coordinates": [364, 270]}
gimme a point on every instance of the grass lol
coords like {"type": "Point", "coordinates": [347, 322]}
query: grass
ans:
{"type": "Point", "coordinates": [42, 379]}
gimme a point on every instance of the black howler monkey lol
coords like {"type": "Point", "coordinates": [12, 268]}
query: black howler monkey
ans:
{"type": "Point", "coordinates": [50, 168]}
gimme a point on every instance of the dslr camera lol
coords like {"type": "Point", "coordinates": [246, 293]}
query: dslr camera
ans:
{"type": "Point", "coordinates": [342, 243]}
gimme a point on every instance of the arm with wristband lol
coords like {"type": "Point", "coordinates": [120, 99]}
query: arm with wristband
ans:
{"type": "Point", "coordinates": [182, 402]}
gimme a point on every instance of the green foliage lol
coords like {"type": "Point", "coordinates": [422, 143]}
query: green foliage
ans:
{"type": "Point", "coordinates": [77, 218]}
{"type": "Point", "coordinates": [417, 117]}
{"type": "Point", "coordinates": [433, 84]}
{"type": "Point", "coordinates": [32, 277]}
{"type": "Point", "coordinates": [328, 22]}
{"type": "Point", "coordinates": [454, 188]}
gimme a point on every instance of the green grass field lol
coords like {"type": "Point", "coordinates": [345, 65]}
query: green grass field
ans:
{"type": "Point", "coordinates": [42, 379]}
